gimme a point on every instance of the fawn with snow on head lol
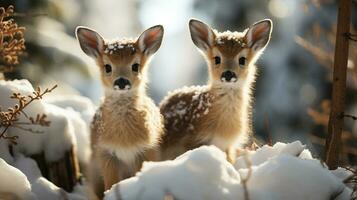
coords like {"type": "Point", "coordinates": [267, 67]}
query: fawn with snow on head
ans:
{"type": "Point", "coordinates": [128, 126]}
{"type": "Point", "coordinates": [218, 113]}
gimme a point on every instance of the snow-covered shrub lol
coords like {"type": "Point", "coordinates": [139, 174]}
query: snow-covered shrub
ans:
{"type": "Point", "coordinates": [68, 126]}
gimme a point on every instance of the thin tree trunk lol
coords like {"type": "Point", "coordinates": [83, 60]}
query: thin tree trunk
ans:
{"type": "Point", "coordinates": [333, 141]}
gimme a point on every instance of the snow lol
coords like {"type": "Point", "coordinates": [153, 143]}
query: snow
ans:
{"type": "Point", "coordinates": [80, 104]}
{"type": "Point", "coordinates": [183, 178]}
{"type": "Point", "coordinates": [80, 111]}
{"type": "Point", "coordinates": [14, 182]}
{"type": "Point", "coordinates": [277, 172]}
{"type": "Point", "coordinates": [70, 117]}
{"type": "Point", "coordinates": [40, 188]}
{"type": "Point", "coordinates": [117, 44]}
{"type": "Point", "coordinates": [23, 179]}
{"type": "Point", "coordinates": [264, 153]}
{"type": "Point", "coordinates": [188, 110]}
{"type": "Point", "coordinates": [237, 37]}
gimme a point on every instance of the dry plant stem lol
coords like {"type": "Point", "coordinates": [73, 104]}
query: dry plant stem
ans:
{"type": "Point", "coordinates": [350, 116]}
{"type": "Point", "coordinates": [352, 181]}
{"type": "Point", "coordinates": [247, 177]}
{"type": "Point", "coordinates": [333, 141]}
{"type": "Point", "coordinates": [18, 109]}
{"type": "Point", "coordinates": [12, 42]}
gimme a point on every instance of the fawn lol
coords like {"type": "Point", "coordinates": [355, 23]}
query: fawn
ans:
{"type": "Point", "coordinates": [218, 113]}
{"type": "Point", "coordinates": [127, 127]}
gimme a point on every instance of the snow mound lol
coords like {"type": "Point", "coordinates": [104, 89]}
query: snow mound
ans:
{"type": "Point", "coordinates": [80, 110]}
{"type": "Point", "coordinates": [13, 183]}
{"type": "Point", "coordinates": [41, 187]}
{"type": "Point", "coordinates": [83, 105]}
{"type": "Point", "coordinates": [276, 172]}
{"type": "Point", "coordinates": [265, 152]}
{"type": "Point", "coordinates": [23, 180]}
{"type": "Point", "coordinates": [68, 125]}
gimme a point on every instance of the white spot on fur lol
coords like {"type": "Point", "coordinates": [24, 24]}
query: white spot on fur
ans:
{"type": "Point", "coordinates": [126, 154]}
{"type": "Point", "coordinates": [222, 143]}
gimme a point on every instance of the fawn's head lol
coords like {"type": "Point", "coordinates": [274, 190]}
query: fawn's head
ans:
{"type": "Point", "coordinates": [122, 62]}
{"type": "Point", "coordinates": [231, 55]}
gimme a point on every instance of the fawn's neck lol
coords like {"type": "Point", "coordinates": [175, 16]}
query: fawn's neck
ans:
{"type": "Point", "coordinates": [122, 101]}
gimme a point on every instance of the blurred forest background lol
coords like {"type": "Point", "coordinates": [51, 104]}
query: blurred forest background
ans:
{"type": "Point", "coordinates": [294, 81]}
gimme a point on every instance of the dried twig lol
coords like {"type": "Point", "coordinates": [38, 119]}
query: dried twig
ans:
{"type": "Point", "coordinates": [10, 118]}
{"type": "Point", "coordinates": [12, 42]}
{"type": "Point", "coordinates": [269, 139]}
{"type": "Point", "coordinates": [350, 116]}
{"type": "Point", "coordinates": [352, 181]}
{"type": "Point", "coordinates": [245, 180]}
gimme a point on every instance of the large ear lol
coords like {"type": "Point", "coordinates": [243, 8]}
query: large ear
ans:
{"type": "Point", "coordinates": [201, 34]}
{"type": "Point", "coordinates": [258, 35]}
{"type": "Point", "coordinates": [150, 40]}
{"type": "Point", "coordinates": [90, 41]}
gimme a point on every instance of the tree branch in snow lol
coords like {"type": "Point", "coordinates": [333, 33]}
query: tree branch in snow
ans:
{"type": "Point", "coordinates": [350, 116]}
{"type": "Point", "coordinates": [352, 181]}
{"type": "Point", "coordinates": [321, 116]}
{"type": "Point", "coordinates": [10, 118]}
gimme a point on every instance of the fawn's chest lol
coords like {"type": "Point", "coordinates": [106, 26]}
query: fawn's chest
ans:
{"type": "Point", "coordinates": [224, 121]}
{"type": "Point", "coordinates": [124, 130]}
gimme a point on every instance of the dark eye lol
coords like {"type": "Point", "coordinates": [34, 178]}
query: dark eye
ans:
{"type": "Point", "coordinates": [108, 68]}
{"type": "Point", "coordinates": [217, 60]}
{"type": "Point", "coordinates": [242, 61]}
{"type": "Point", "coordinates": [135, 67]}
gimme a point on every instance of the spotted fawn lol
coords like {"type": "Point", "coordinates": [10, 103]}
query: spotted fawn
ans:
{"type": "Point", "coordinates": [218, 113]}
{"type": "Point", "coordinates": [127, 127]}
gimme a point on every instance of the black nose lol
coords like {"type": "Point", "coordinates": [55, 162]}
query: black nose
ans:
{"type": "Point", "coordinates": [122, 83]}
{"type": "Point", "coordinates": [228, 76]}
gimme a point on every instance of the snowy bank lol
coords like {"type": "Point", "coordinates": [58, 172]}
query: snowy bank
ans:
{"type": "Point", "coordinates": [23, 180]}
{"type": "Point", "coordinates": [69, 117]}
{"type": "Point", "coordinates": [13, 184]}
{"type": "Point", "coordinates": [284, 171]}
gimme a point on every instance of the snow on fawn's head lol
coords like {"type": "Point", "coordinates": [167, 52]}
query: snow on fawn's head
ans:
{"type": "Point", "coordinates": [231, 55]}
{"type": "Point", "coordinates": [122, 62]}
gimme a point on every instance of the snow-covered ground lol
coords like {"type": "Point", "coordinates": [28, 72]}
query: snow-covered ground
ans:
{"type": "Point", "coordinates": [69, 116]}
{"type": "Point", "coordinates": [282, 171]}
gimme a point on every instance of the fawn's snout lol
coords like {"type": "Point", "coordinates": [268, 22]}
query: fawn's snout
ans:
{"type": "Point", "coordinates": [228, 76]}
{"type": "Point", "coordinates": [122, 84]}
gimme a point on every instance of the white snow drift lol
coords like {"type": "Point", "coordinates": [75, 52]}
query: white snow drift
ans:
{"type": "Point", "coordinates": [69, 123]}
{"type": "Point", "coordinates": [70, 118]}
{"type": "Point", "coordinates": [276, 173]}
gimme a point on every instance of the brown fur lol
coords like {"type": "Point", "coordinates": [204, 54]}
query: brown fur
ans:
{"type": "Point", "coordinates": [127, 127]}
{"type": "Point", "coordinates": [217, 113]}
{"type": "Point", "coordinates": [8, 196]}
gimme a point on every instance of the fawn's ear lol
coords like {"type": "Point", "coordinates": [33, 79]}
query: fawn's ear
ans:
{"type": "Point", "coordinates": [258, 35]}
{"type": "Point", "coordinates": [201, 34]}
{"type": "Point", "coordinates": [150, 40]}
{"type": "Point", "coordinates": [90, 41]}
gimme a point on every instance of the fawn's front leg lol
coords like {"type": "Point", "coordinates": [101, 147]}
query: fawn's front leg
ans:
{"type": "Point", "coordinates": [109, 166]}
{"type": "Point", "coordinates": [231, 154]}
